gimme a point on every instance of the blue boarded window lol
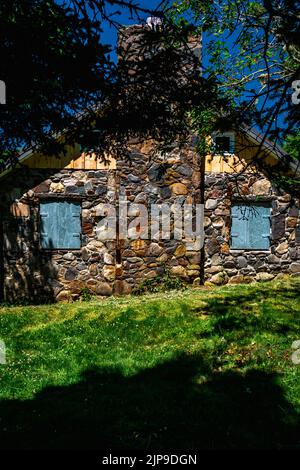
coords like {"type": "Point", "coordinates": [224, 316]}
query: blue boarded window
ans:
{"type": "Point", "coordinates": [60, 225]}
{"type": "Point", "coordinates": [250, 227]}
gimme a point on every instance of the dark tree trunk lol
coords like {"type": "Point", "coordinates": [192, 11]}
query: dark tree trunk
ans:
{"type": "Point", "coordinates": [1, 257]}
{"type": "Point", "coordinates": [202, 201]}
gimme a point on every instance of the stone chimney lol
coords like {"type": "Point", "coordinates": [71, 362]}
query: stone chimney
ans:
{"type": "Point", "coordinates": [154, 22]}
{"type": "Point", "coordinates": [141, 41]}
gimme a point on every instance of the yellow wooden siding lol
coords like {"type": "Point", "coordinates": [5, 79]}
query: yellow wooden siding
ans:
{"type": "Point", "coordinates": [245, 151]}
{"type": "Point", "coordinates": [73, 159]}
{"type": "Point", "coordinates": [218, 164]}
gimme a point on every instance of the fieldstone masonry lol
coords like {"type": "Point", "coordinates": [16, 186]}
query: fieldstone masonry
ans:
{"type": "Point", "coordinates": [118, 266]}
{"type": "Point", "coordinates": [103, 267]}
{"type": "Point", "coordinates": [224, 265]}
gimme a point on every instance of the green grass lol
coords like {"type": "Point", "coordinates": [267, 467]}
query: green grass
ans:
{"type": "Point", "coordinates": [201, 368]}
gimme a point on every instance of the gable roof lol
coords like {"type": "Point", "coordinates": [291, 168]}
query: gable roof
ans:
{"type": "Point", "coordinates": [271, 147]}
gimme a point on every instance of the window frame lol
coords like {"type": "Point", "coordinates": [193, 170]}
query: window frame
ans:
{"type": "Point", "coordinates": [231, 136]}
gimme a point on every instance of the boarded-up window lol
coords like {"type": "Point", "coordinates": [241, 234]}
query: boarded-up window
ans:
{"type": "Point", "coordinates": [250, 228]}
{"type": "Point", "coordinates": [60, 225]}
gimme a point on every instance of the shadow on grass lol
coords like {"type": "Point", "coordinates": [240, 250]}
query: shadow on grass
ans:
{"type": "Point", "coordinates": [236, 311]}
{"type": "Point", "coordinates": [177, 405]}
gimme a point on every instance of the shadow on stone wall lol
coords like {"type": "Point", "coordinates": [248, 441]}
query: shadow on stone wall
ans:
{"type": "Point", "coordinates": [27, 271]}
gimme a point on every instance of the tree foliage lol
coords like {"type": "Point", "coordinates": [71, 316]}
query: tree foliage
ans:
{"type": "Point", "coordinates": [53, 65]}
{"type": "Point", "coordinates": [61, 80]}
{"type": "Point", "coordinates": [253, 51]}
{"type": "Point", "coordinates": [292, 145]}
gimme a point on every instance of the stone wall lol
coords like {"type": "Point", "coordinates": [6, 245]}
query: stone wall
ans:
{"type": "Point", "coordinates": [224, 265]}
{"type": "Point", "coordinates": [119, 265]}
{"type": "Point", "coordinates": [37, 274]}
{"type": "Point", "coordinates": [161, 179]}
{"type": "Point", "coordinates": [103, 267]}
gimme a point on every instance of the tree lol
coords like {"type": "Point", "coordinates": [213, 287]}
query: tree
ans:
{"type": "Point", "coordinates": [253, 51]}
{"type": "Point", "coordinates": [71, 85]}
{"type": "Point", "coordinates": [60, 79]}
{"type": "Point", "coordinates": [53, 65]}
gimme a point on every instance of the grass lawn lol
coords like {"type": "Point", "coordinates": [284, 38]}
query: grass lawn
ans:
{"type": "Point", "coordinates": [200, 368]}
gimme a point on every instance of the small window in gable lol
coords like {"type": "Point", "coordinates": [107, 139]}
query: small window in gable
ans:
{"type": "Point", "coordinates": [224, 143]}
{"type": "Point", "coordinates": [60, 225]}
{"type": "Point", "coordinates": [250, 227]}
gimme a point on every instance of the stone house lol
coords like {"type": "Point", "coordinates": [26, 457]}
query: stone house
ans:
{"type": "Point", "coordinates": [50, 247]}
